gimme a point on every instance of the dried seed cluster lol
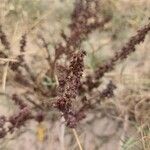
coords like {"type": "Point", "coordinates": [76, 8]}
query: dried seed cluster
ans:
{"type": "Point", "coordinates": [71, 87]}
{"type": "Point", "coordinates": [72, 83]}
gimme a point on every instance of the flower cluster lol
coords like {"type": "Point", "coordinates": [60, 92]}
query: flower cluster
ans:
{"type": "Point", "coordinates": [14, 121]}
{"type": "Point", "coordinates": [70, 89]}
{"type": "Point", "coordinates": [4, 39]}
{"type": "Point", "coordinates": [127, 49]}
{"type": "Point", "coordinates": [92, 81]}
{"type": "Point", "coordinates": [72, 83]}
{"type": "Point", "coordinates": [84, 20]}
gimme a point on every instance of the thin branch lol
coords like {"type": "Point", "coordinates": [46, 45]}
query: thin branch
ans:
{"type": "Point", "coordinates": [8, 59]}
{"type": "Point", "coordinates": [77, 139]}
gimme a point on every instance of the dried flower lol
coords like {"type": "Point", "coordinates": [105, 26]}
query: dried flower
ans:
{"type": "Point", "coordinates": [92, 81]}
{"type": "Point", "coordinates": [3, 39]}
{"type": "Point", "coordinates": [15, 65]}
{"type": "Point", "coordinates": [128, 48]}
{"type": "Point", "coordinates": [64, 102]}
{"type": "Point", "coordinates": [23, 43]}
{"type": "Point", "coordinates": [18, 101]}
{"type": "Point", "coordinates": [18, 119]}
{"type": "Point", "coordinates": [80, 27]}
{"type": "Point", "coordinates": [40, 117]}
{"type": "Point", "coordinates": [2, 133]}
{"type": "Point", "coordinates": [109, 91]}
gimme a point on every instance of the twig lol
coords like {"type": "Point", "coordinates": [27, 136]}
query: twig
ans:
{"type": "Point", "coordinates": [62, 134]}
{"type": "Point", "coordinates": [8, 59]}
{"type": "Point", "coordinates": [34, 103]}
{"type": "Point", "coordinates": [77, 139]}
{"type": "Point", "coordinates": [41, 20]}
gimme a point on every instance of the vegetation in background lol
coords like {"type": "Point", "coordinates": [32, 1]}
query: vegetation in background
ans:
{"type": "Point", "coordinates": [57, 62]}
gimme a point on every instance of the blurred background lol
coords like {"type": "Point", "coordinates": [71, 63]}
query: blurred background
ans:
{"type": "Point", "coordinates": [107, 127]}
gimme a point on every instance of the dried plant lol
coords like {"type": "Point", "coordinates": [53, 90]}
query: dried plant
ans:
{"type": "Point", "coordinates": [4, 39]}
{"type": "Point", "coordinates": [72, 95]}
{"type": "Point", "coordinates": [69, 90]}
